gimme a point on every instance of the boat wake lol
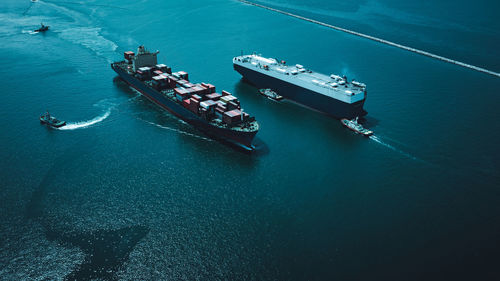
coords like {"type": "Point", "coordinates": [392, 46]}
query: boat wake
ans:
{"type": "Point", "coordinates": [91, 38]}
{"type": "Point", "coordinates": [85, 124]}
{"type": "Point", "coordinates": [379, 141]}
{"type": "Point", "coordinates": [177, 130]}
{"type": "Point", "coordinates": [31, 32]}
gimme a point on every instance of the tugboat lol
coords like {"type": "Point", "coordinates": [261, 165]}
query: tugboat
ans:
{"type": "Point", "coordinates": [356, 127]}
{"type": "Point", "coordinates": [51, 121]}
{"type": "Point", "coordinates": [270, 94]}
{"type": "Point", "coordinates": [42, 28]}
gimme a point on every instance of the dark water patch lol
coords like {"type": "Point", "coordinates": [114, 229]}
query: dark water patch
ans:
{"type": "Point", "coordinates": [105, 250]}
{"type": "Point", "coordinates": [34, 208]}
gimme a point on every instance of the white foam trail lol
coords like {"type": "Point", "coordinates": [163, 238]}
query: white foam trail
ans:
{"type": "Point", "coordinates": [85, 124]}
{"type": "Point", "coordinates": [177, 130]}
{"type": "Point", "coordinates": [414, 50]}
{"type": "Point", "coordinates": [30, 32]}
{"type": "Point", "coordinates": [378, 140]}
{"type": "Point", "coordinates": [91, 38]}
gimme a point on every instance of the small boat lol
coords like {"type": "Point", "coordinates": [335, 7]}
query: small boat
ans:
{"type": "Point", "coordinates": [270, 94]}
{"type": "Point", "coordinates": [49, 120]}
{"type": "Point", "coordinates": [356, 127]}
{"type": "Point", "coordinates": [42, 28]}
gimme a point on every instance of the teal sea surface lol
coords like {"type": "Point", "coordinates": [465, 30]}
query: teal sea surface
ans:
{"type": "Point", "coordinates": [127, 191]}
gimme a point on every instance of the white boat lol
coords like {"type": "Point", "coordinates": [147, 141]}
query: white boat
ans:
{"type": "Point", "coordinates": [356, 127]}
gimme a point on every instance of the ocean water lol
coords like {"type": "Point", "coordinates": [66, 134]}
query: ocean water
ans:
{"type": "Point", "coordinates": [128, 192]}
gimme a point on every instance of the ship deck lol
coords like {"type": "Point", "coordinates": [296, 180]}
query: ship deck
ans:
{"type": "Point", "coordinates": [251, 126]}
{"type": "Point", "coordinates": [331, 84]}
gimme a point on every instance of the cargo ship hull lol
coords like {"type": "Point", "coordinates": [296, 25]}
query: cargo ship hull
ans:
{"type": "Point", "coordinates": [240, 138]}
{"type": "Point", "coordinates": [301, 95]}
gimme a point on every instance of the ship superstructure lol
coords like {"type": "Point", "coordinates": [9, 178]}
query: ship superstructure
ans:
{"type": "Point", "coordinates": [217, 114]}
{"type": "Point", "coordinates": [333, 95]}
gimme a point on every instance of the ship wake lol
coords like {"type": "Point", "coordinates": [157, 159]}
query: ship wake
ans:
{"type": "Point", "coordinates": [380, 141]}
{"type": "Point", "coordinates": [88, 123]}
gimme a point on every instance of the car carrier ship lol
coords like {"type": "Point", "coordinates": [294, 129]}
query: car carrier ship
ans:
{"type": "Point", "coordinates": [333, 95]}
{"type": "Point", "coordinates": [219, 115]}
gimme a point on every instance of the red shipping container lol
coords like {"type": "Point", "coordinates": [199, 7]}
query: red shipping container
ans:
{"type": "Point", "coordinates": [225, 93]}
{"type": "Point", "coordinates": [232, 117]}
{"type": "Point", "coordinates": [186, 103]}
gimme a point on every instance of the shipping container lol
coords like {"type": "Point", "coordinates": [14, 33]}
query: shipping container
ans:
{"type": "Point", "coordinates": [232, 117]}
{"type": "Point", "coordinates": [172, 82]}
{"type": "Point", "coordinates": [196, 97]}
{"type": "Point", "coordinates": [183, 75]}
{"type": "Point", "coordinates": [228, 98]}
{"type": "Point", "coordinates": [232, 105]}
{"type": "Point", "coordinates": [129, 55]}
{"type": "Point", "coordinates": [187, 85]}
{"type": "Point", "coordinates": [214, 96]}
{"type": "Point", "coordinates": [197, 89]}
{"type": "Point", "coordinates": [219, 112]}
{"type": "Point", "coordinates": [226, 93]}
{"type": "Point", "coordinates": [163, 68]}
{"type": "Point", "coordinates": [186, 103]}
{"type": "Point", "coordinates": [221, 106]}
{"type": "Point", "coordinates": [208, 104]}
{"type": "Point", "coordinates": [194, 105]}
{"type": "Point", "coordinates": [181, 94]}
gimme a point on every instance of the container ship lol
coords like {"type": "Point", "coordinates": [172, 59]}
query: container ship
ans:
{"type": "Point", "coordinates": [218, 115]}
{"type": "Point", "coordinates": [333, 95]}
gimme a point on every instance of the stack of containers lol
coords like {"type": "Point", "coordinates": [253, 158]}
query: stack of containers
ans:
{"type": "Point", "coordinates": [210, 87]}
{"type": "Point", "coordinates": [230, 101]}
{"type": "Point", "coordinates": [183, 83]}
{"type": "Point", "coordinates": [183, 75]}
{"type": "Point", "coordinates": [181, 94]}
{"type": "Point", "coordinates": [129, 55]}
{"type": "Point", "coordinates": [194, 105]}
{"type": "Point", "coordinates": [220, 109]}
{"type": "Point", "coordinates": [197, 97]}
{"type": "Point", "coordinates": [172, 81]}
{"type": "Point", "coordinates": [160, 82]}
{"type": "Point", "coordinates": [198, 89]}
{"type": "Point", "coordinates": [187, 84]}
{"type": "Point", "coordinates": [145, 72]}
{"type": "Point", "coordinates": [207, 108]}
{"type": "Point", "coordinates": [214, 96]}
{"type": "Point", "coordinates": [163, 68]}
{"type": "Point", "coordinates": [232, 117]}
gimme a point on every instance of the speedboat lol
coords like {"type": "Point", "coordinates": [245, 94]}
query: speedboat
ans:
{"type": "Point", "coordinates": [270, 94]}
{"type": "Point", "coordinates": [356, 127]}
{"type": "Point", "coordinates": [51, 121]}
{"type": "Point", "coordinates": [42, 28]}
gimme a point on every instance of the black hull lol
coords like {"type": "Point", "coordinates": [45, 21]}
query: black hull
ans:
{"type": "Point", "coordinates": [322, 103]}
{"type": "Point", "coordinates": [243, 139]}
